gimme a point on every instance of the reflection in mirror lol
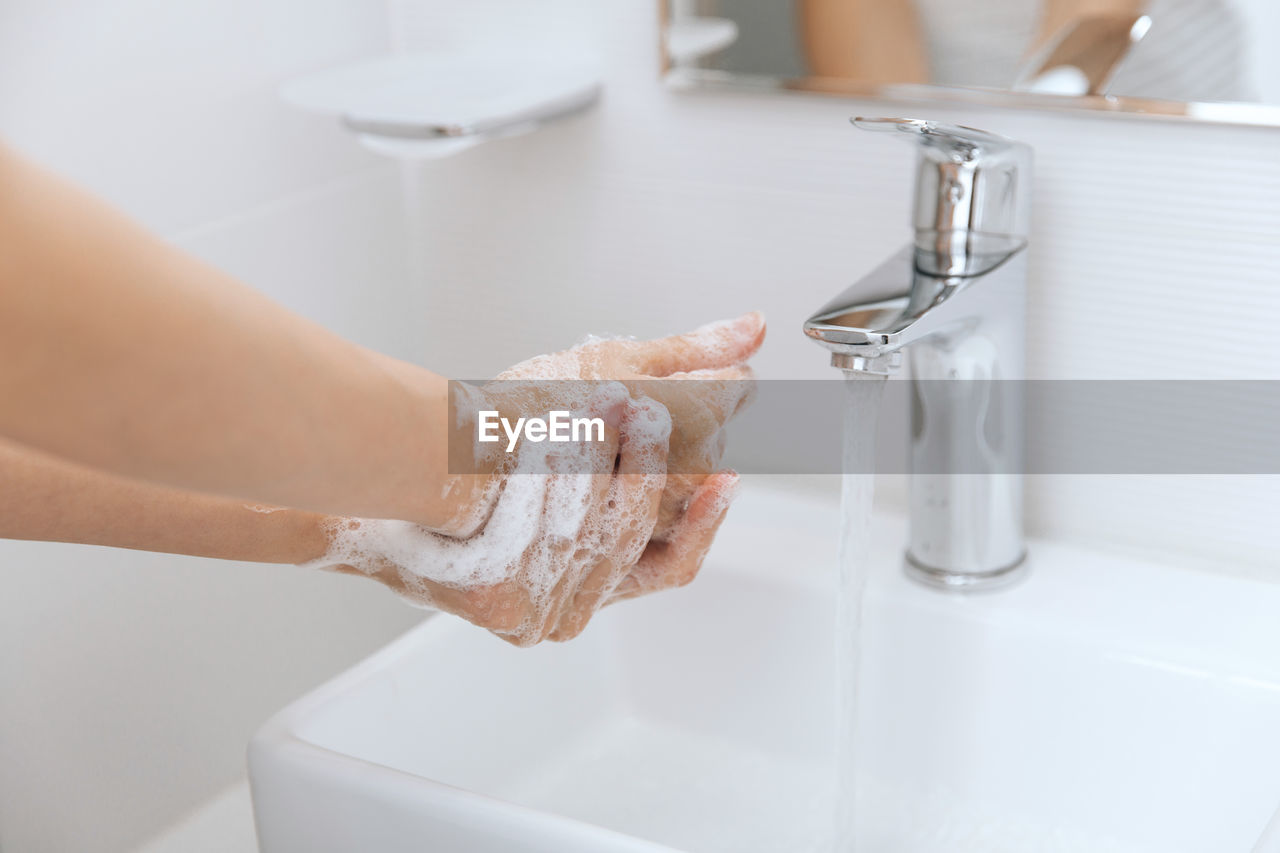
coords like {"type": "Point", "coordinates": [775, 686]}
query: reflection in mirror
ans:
{"type": "Point", "coordinates": [1128, 54]}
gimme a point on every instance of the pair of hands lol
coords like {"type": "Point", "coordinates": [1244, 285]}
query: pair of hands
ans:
{"type": "Point", "coordinates": [608, 523]}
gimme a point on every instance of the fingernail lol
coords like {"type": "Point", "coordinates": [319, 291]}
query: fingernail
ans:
{"type": "Point", "coordinates": [748, 324]}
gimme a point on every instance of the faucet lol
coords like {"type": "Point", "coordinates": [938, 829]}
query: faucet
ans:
{"type": "Point", "coordinates": [953, 303]}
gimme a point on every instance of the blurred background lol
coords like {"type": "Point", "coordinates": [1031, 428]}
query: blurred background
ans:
{"type": "Point", "coordinates": [130, 683]}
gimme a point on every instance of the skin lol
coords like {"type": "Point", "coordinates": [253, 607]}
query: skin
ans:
{"type": "Point", "coordinates": [612, 557]}
{"type": "Point", "coordinates": [701, 378]}
{"type": "Point", "coordinates": [49, 499]}
{"type": "Point", "coordinates": [46, 498]}
{"type": "Point", "coordinates": [1056, 14]}
{"type": "Point", "coordinates": [872, 41]}
{"type": "Point", "coordinates": [152, 402]}
{"type": "Point", "coordinates": [102, 321]}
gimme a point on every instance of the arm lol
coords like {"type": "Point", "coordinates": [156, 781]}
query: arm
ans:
{"type": "Point", "coordinates": [871, 41]}
{"type": "Point", "coordinates": [120, 352]}
{"type": "Point", "coordinates": [52, 500]}
{"type": "Point", "coordinates": [123, 360]}
{"type": "Point", "coordinates": [48, 499]}
{"type": "Point", "coordinates": [533, 583]}
{"type": "Point", "coordinates": [55, 501]}
{"type": "Point", "coordinates": [1056, 14]}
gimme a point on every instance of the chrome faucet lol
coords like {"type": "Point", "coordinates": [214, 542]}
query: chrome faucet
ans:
{"type": "Point", "coordinates": [953, 301]}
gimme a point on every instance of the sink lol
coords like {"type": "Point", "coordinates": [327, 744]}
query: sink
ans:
{"type": "Point", "coordinates": [1104, 704]}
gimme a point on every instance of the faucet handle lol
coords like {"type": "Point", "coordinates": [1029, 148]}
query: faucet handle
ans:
{"type": "Point", "coordinates": [968, 182]}
{"type": "Point", "coordinates": [963, 140]}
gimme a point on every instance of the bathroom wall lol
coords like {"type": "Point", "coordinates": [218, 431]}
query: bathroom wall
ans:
{"type": "Point", "coordinates": [1155, 246]}
{"type": "Point", "coordinates": [130, 683]}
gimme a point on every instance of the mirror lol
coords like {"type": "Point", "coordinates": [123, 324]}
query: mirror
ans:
{"type": "Point", "coordinates": [1216, 60]}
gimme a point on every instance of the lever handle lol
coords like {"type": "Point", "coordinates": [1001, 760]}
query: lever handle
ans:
{"type": "Point", "coordinates": [968, 182]}
{"type": "Point", "coordinates": [965, 142]}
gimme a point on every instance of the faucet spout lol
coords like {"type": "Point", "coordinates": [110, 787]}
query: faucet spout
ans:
{"type": "Point", "coordinates": [950, 308]}
{"type": "Point", "coordinates": [900, 302]}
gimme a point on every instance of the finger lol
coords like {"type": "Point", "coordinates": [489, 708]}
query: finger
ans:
{"type": "Point", "coordinates": [722, 392]}
{"type": "Point", "coordinates": [679, 491]}
{"type": "Point", "coordinates": [721, 344]}
{"type": "Point", "coordinates": [576, 478]}
{"type": "Point", "coordinates": [550, 613]}
{"type": "Point", "coordinates": [536, 591]}
{"type": "Point", "coordinates": [555, 565]}
{"type": "Point", "coordinates": [630, 513]}
{"type": "Point", "coordinates": [508, 607]}
{"type": "Point", "coordinates": [626, 514]}
{"type": "Point", "coordinates": [702, 403]}
{"type": "Point", "coordinates": [501, 608]}
{"type": "Point", "coordinates": [595, 589]}
{"type": "Point", "coordinates": [676, 562]}
{"type": "Point", "coordinates": [581, 562]}
{"type": "Point", "coordinates": [701, 410]}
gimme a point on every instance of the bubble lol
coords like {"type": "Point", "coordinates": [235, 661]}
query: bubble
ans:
{"type": "Point", "coordinates": [554, 515]}
{"type": "Point", "coordinates": [556, 512]}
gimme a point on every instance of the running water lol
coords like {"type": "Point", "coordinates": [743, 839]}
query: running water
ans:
{"type": "Point", "coordinates": [862, 406]}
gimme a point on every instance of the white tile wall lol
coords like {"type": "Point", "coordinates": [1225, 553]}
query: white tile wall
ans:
{"type": "Point", "coordinates": [169, 109]}
{"type": "Point", "coordinates": [130, 683]}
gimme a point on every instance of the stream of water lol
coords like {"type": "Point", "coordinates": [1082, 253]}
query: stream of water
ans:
{"type": "Point", "coordinates": [862, 406]}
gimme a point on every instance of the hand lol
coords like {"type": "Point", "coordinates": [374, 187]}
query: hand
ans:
{"type": "Point", "coordinates": [714, 355]}
{"type": "Point", "coordinates": [555, 549]}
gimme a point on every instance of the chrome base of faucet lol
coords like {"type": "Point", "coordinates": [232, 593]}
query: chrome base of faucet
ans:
{"type": "Point", "coordinates": [1001, 578]}
{"type": "Point", "coordinates": [878, 365]}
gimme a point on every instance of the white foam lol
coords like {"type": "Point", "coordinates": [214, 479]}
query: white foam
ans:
{"type": "Point", "coordinates": [542, 527]}
{"type": "Point", "coordinates": [721, 337]}
{"type": "Point", "coordinates": [480, 560]}
{"type": "Point", "coordinates": [716, 341]}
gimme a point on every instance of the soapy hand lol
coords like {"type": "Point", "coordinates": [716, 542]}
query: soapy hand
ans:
{"type": "Point", "coordinates": [713, 360]}
{"type": "Point", "coordinates": [576, 527]}
{"type": "Point", "coordinates": [557, 547]}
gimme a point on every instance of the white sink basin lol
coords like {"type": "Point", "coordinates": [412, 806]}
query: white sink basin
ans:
{"type": "Point", "coordinates": [1103, 705]}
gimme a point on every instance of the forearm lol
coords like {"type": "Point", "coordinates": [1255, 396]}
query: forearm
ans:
{"type": "Point", "coordinates": [871, 41]}
{"type": "Point", "coordinates": [122, 353]}
{"type": "Point", "coordinates": [1056, 14]}
{"type": "Point", "coordinates": [47, 499]}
